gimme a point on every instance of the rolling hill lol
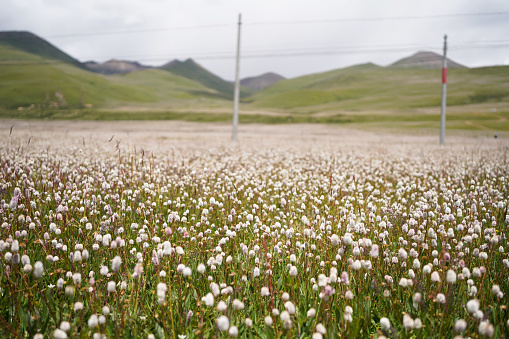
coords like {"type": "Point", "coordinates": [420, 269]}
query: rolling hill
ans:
{"type": "Point", "coordinates": [39, 81]}
{"type": "Point", "coordinates": [192, 70]}
{"type": "Point", "coordinates": [375, 88]}
{"type": "Point", "coordinates": [262, 81]}
{"type": "Point", "coordinates": [115, 66]}
{"type": "Point", "coordinates": [31, 43]}
{"type": "Point", "coordinates": [32, 82]}
{"type": "Point", "coordinates": [424, 59]}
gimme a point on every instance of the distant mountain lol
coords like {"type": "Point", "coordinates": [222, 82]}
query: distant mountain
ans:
{"type": "Point", "coordinates": [262, 81]}
{"type": "Point", "coordinates": [115, 66]}
{"type": "Point", "coordinates": [425, 59]}
{"type": "Point", "coordinates": [192, 70]}
{"type": "Point", "coordinates": [31, 43]}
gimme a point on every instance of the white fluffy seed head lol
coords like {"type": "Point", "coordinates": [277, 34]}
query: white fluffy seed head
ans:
{"type": "Point", "coordinates": [385, 324]}
{"type": "Point", "coordinates": [223, 323]}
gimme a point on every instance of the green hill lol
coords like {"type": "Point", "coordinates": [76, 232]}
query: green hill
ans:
{"type": "Point", "coordinates": [37, 83]}
{"type": "Point", "coordinates": [31, 43]}
{"type": "Point", "coordinates": [191, 70]}
{"type": "Point", "coordinates": [372, 88]}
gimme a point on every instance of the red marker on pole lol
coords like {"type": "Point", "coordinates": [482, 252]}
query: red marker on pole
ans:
{"type": "Point", "coordinates": [444, 93]}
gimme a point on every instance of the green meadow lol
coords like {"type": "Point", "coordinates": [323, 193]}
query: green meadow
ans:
{"type": "Point", "coordinates": [363, 96]}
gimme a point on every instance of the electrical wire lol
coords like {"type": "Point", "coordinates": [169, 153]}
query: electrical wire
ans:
{"type": "Point", "coordinates": [294, 22]}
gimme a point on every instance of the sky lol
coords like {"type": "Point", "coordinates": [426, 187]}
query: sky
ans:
{"type": "Point", "coordinates": [288, 37]}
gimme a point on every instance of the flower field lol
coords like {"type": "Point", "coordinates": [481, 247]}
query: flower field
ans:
{"type": "Point", "coordinates": [109, 240]}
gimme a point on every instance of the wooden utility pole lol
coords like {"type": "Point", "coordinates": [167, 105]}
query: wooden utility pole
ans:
{"type": "Point", "coordinates": [444, 93]}
{"type": "Point", "coordinates": [237, 88]}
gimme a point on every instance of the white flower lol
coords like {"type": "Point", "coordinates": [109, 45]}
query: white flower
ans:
{"type": "Point", "coordinates": [451, 277]}
{"type": "Point", "coordinates": [187, 272]}
{"type": "Point", "coordinates": [215, 289]}
{"type": "Point", "coordinates": [65, 326]}
{"type": "Point", "coordinates": [486, 329]}
{"type": "Point", "coordinates": [78, 306]}
{"type": "Point", "coordinates": [417, 298]}
{"type": "Point", "coordinates": [460, 325]}
{"type": "Point", "coordinates": [208, 299]}
{"type": "Point", "coordinates": [408, 322]}
{"type": "Point", "coordinates": [402, 254]}
{"type": "Point", "coordinates": [76, 277]}
{"type": "Point", "coordinates": [105, 310]}
{"type": "Point", "coordinates": [265, 291]}
{"type": "Point", "coordinates": [77, 256]}
{"type": "Point", "coordinates": [104, 270]}
{"type": "Point", "coordinates": [237, 304]}
{"type": "Point", "coordinates": [322, 280]}
{"type": "Point", "coordinates": [234, 331]}
{"type": "Point", "coordinates": [221, 306]}
{"type": "Point", "coordinates": [385, 324]}
{"type": "Point", "coordinates": [201, 268]}
{"type": "Point", "coordinates": [440, 298]}
{"type": "Point", "coordinates": [223, 323]}
{"type": "Point", "coordinates": [311, 313]}
{"type": "Point", "coordinates": [115, 264]}
{"type": "Point", "coordinates": [472, 306]}
{"type": "Point", "coordinates": [320, 329]}
{"type": "Point", "coordinates": [290, 307]}
{"type": "Point", "coordinates": [60, 283]}
{"type": "Point", "coordinates": [268, 320]}
{"type": "Point", "coordinates": [111, 286]}
{"type": "Point", "coordinates": [38, 269]}
{"type": "Point", "coordinates": [59, 334]}
{"type": "Point", "coordinates": [435, 277]}
{"type": "Point", "coordinates": [334, 240]}
{"type": "Point", "coordinates": [293, 271]}
{"type": "Point", "coordinates": [93, 321]}
{"type": "Point", "coordinates": [285, 315]}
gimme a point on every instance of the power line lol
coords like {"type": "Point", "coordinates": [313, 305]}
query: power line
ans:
{"type": "Point", "coordinates": [285, 53]}
{"type": "Point", "coordinates": [419, 17]}
{"type": "Point", "coordinates": [147, 30]}
{"type": "Point", "coordinates": [294, 22]}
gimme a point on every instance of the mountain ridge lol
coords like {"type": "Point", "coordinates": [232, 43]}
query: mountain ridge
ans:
{"type": "Point", "coordinates": [425, 59]}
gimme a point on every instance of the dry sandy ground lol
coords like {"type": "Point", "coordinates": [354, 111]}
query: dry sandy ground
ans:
{"type": "Point", "coordinates": [153, 135]}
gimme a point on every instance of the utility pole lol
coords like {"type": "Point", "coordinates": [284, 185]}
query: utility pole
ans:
{"type": "Point", "coordinates": [444, 93]}
{"type": "Point", "coordinates": [237, 88]}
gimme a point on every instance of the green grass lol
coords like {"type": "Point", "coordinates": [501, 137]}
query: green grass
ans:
{"type": "Point", "coordinates": [191, 70]}
{"type": "Point", "coordinates": [107, 238]}
{"type": "Point", "coordinates": [30, 43]}
{"type": "Point", "coordinates": [368, 87]}
{"type": "Point", "coordinates": [33, 80]}
{"type": "Point", "coordinates": [363, 94]}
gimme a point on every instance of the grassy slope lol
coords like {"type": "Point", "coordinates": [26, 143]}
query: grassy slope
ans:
{"type": "Point", "coordinates": [36, 80]}
{"type": "Point", "coordinates": [371, 96]}
{"type": "Point", "coordinates": [372, 88]}
{"type": "Point", "coordinates": [31, 43]}
{"type": "Point", "coordinates": [193, 71]}
{"type": "Point", "coordinates": [363, 96]}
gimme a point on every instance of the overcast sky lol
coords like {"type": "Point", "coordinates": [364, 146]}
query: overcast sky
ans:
{"type": "Point", "coordinates": [289, 37]}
